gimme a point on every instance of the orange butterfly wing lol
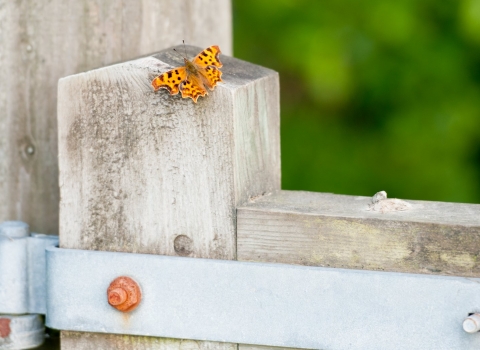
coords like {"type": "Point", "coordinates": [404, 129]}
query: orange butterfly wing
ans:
{"type": "Point", "coordinates": [207, 63]}
{"type": "Point", "coordinates": [208, 57]}
{"type": "Point", "coordinates": [193, 87]}
{"type": "Point", "coordinates": [211, 76]}
{"type": "Point", "coordinates": [190, 82]}
{"type": "Point", "coordinates": [170, 80]}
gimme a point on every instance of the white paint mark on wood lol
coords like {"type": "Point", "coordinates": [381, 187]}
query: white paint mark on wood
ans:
{"type": "Point", "coordinates": [382, 204]}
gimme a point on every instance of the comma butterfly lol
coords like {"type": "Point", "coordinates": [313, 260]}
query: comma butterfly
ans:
{"type": "Point", "coordinates": [194, 77]}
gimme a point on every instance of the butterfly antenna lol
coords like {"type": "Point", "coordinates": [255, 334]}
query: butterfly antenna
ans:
{"type": "Point", "coordinates": [184, 48]}
{"type": "Point", "coordinates": [178, 53]}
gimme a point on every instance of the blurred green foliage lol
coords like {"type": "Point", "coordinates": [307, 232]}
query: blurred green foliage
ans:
{"type": "Point", "coordinates": [375, 94]}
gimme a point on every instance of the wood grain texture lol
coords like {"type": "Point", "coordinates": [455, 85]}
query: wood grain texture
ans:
{"type": "Point", "coordinates": [43, 41]}
{"type": "Point", "coordinates": [260, 347]}
{"type": "Point", "coordinates": [82, 341]}
{"type": "Point", "coordinates": [323, 229]}
{"type": "Point", "coordinates": [153, 173]}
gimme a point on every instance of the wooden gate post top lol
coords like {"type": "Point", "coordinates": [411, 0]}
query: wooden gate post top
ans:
{"type": "Point", "coordinates": [153, 173]}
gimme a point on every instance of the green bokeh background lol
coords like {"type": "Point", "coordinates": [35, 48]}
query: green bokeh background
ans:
{"type": "Point", "coordinates": [375, 94]}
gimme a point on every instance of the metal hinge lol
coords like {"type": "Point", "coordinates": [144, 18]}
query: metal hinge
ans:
{"type": "Point", "coordinates": [229, 301]}
{"type": "Point", "coordinates": [22, 285]}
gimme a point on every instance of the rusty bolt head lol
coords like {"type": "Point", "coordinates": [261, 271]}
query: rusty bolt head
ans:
{"type": "Point", "coordinates": [4, 327]}
{"type": "Point", "coordinates": [124, 294]}
{"type": "Point", "coordinates": [117, 296]}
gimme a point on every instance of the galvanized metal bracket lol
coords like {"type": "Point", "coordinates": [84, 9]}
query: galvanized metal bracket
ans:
{"type": "Point", "coordinates": [23, 291]}
{"type": "Point", "coordinates": [21, 331]}
{"type": "Point", "coordinates": [264, 304]}
{"type": "Point", "coordinates": [23, 269]}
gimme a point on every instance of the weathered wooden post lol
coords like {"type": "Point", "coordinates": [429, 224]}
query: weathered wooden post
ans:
{"type": "Point", "coordinates": [42, 41]}
{"type": "Point", "coordinates": [147, 172]}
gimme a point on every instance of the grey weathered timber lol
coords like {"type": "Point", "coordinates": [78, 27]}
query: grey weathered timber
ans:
{"type": "Point", "coordinates": [42, 41]}
{"type": "Point", "coordinates": [148, 172]}
{"type": "Point", "coordinates": [261, 347]}
{"type": "Point", "coordinates": [322, 229]}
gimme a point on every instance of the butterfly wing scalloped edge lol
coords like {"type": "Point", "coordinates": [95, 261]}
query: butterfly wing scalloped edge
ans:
{"type": "Point", "coordinates": [193, 86]}
{"type": "Point", "coordinates": [170, 80]}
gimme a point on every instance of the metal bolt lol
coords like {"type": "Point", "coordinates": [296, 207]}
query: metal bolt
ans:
{"type": "Point", "coordinates": [124, 294]}
{"type": "Point", "coordinates": [472, 323]}
{"type": "Point", "coordinates": [30, 150]}
{"type": "Point", "coordinates": [117, 296]}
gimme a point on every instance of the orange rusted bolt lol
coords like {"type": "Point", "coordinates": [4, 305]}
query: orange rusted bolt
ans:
{"type": "Point", "coordinates": [4, 327]}
{"type": "Point", "coordinates": [124, 294]}
{"type": "Point", "coordinates": [117, 296]}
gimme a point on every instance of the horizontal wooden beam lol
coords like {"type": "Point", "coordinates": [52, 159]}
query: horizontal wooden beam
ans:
{"type": "Point", "coordinates": [322, 229]}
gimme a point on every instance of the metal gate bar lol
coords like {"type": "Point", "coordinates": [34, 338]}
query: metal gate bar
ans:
{"type": "Point", "coordinates": [266, 304]}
